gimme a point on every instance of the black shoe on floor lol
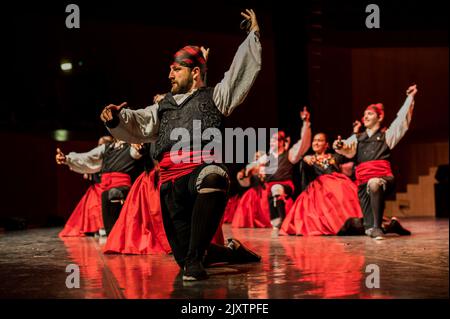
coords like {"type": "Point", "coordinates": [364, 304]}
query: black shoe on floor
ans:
{"type": "Point", "coordinates": [193, 270]}
{"type": "Point", "coordinates": [352, 227]}
{"type": "Point", "coordinates": [241, 254]}
{"type": "Point", "coordinates": [396, 228]}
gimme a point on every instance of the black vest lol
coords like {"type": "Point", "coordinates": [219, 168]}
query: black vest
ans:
{"type": "Point", "coordinates": [372, 148]}
{"type": "Point", "coordinates": [198, 106]}
{"type": "Point", "coordinates": [285, 168]}
{"type": "Point", "coordinates": [119, 160]}
{"type": "Point", "coordinates": [147, 156]}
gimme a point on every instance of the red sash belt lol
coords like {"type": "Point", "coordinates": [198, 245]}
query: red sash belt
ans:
{"type": "Point", "coordinates": [186, 163]}
{"type": "Point", "coordinates": [115, 179]}
{"type": "Point", "coordinates": [371, 169]}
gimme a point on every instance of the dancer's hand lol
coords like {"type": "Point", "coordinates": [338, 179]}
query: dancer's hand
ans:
{"type": "Point", "coordinates": [137, 147]}
{"type": "Point", "coordinates": [412, 90]}
{"type": "Point", "coordinates": [111, 112]}
{"type": "Point", "coordinates": [249, 14]}
{"type": "Point", "coordinates": [251, 169]}
{"type": "Point", "coordinates": [338, 144]}
{"type": "Point", "coordinates": [60, 157]}
{"type": "Point", "coordinates": [205, 53]}
{"type": "Point", "coordinates": [243, 180]}
{"type": "Point", "coordinates": [356, 126]}
{"type": "Point", "coordinates": [305, 115]}
{"type": "Point", "coordinates": [309, 159]}
{"type": "Point", "coordinates": [158, 97]}
{"type": "Point", "coordinates": [348, 150]}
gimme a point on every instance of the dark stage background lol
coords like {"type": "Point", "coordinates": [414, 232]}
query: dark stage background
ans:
{"type": "Point", "coordinates": [317, 53]}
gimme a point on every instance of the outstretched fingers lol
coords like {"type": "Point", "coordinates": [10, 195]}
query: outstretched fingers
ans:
{"type": "Point", "coordinates": [250, 15]}
{"type": "Point", "coordinates": [110, 111]}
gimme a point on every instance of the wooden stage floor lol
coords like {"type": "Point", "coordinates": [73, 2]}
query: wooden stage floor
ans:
{"type": "Point", "coordinates": [33, 265]}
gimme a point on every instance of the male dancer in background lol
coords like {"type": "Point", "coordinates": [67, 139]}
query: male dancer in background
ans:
{"type": "Point", "coordinates": [372, 151]}
{"type": "Point", "coordinates": [115, 162]}
{"type": "Point", "coordinates": [278, 181]}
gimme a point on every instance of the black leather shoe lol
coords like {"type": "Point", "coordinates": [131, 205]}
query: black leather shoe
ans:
{"type": "Point", "coordinates": [240, 253]}
{"type": "Point", "coordinates": [193, 270]}
{"type": "Point", "coordinates": [352, 227]}
{"type": "Point", "coordinates": [396, 228]}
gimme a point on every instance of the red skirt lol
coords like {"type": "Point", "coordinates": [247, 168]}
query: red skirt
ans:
{"type": "Point", "coordinates": [87, 216]}
{"type": "Point", "coordinates": [230, 209]}
{"type": "Point", "coordinates": [267, 192]}
{"type": "Point", "coordinates": [323, 207]}
{"type": "Point", "coordinates": [250, 212]}
{"type": "Point", "coordinates": [139, 228]}
{"type": "Point", "coordinates": [218, 238]}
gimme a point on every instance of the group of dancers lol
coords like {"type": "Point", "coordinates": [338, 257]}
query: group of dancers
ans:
{"type": "Point", "coordinates": [178, 208]}
{"type": "Point", "coordinates": [332, 200]}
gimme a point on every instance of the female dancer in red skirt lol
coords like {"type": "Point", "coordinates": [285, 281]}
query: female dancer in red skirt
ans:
{"type": "Point", "coordinates": [328, 201]}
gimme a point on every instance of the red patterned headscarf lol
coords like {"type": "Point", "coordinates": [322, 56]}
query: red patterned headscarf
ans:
{"type": "Point", "coordinates": [190, 56]}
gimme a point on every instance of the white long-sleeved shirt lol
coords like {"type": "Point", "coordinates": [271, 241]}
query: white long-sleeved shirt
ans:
{"type": "Point", "coordinates": [88, 162]}
{"type": "Point", "coordinates": [398, 127]}
{"type": "Point", "coordinates": [142, 126]}
{"type": "Point", "coordinates": [297, 150]}
{"type": "Point", "coordinates": [92, 161]}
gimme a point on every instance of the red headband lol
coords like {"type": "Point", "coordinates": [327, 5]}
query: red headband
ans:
{"type": "Point", "coordinates": [377, 108]}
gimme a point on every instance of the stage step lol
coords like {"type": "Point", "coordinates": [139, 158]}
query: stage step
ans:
{"type": "Point", "coordinates": [418, 200]}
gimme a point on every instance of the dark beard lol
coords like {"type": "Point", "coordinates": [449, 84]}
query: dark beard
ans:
{"type": "Point", "coordinates": [183, 88]}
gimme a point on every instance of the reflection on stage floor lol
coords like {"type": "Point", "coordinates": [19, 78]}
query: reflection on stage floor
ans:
{"type": "Point", "coordinates": [33, 265]}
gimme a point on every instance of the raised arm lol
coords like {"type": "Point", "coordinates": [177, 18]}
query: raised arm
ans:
{"type": "Point", "coordinates": [400, 125]}
{"type": "Point", "coordinates": [89, 162]}
{"type": "Point", "coordinates": [132, 126]}
{"type": "Point", "coordinates": [304, 143]}
{"type": "Point", "coordinates": [348, 146]}
{"type": "Point", "coordinates": [352, 139]}
{"type": "Point", "coordinates": [237, 81]}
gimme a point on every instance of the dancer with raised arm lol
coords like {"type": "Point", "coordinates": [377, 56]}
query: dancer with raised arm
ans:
{"type": "Point", "coordinates": [371, 151]}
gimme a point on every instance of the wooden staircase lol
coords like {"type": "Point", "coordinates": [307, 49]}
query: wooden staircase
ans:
{"type": "Point", "coordinates": [418, 200]}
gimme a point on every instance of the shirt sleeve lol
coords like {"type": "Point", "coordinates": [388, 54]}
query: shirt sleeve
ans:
{"type": "Point", "coordinates": [351, 139]}
{"type": "Point", "coordinates": [89, 162]}
{"type": "Point", "coordinates": [263, 160]}
{"type": "Point", "coordinates": [351, 144]}
{"type": "Point", "coordinates": [237, 81]}
{"type": "Point", "coordinates": [299, 149]}
{"type": "Point", "coordinates": [137, 126]}
{"type": "Point", "coordinates": [400, 125]}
